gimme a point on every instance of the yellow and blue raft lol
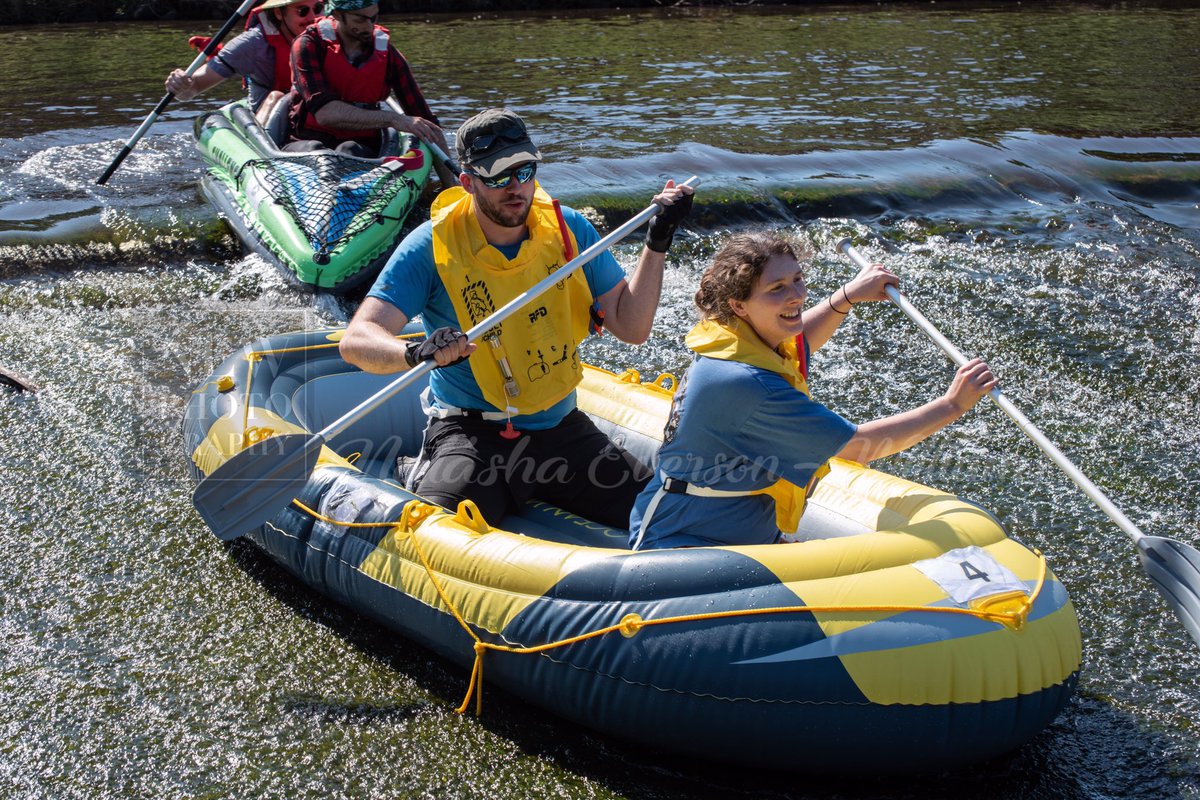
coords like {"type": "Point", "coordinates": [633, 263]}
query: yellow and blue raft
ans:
{"type": "Point", "coordinates": [904, 632]}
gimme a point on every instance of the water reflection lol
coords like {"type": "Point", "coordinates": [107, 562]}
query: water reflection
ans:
{"type": "Point", "coordinates": [1031, 171]}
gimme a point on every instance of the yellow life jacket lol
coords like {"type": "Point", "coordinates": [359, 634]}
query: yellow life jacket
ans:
{"type": "Point", "coordinates": [530, 361]}
{"type": "Point", "coordinates": [738, 342]}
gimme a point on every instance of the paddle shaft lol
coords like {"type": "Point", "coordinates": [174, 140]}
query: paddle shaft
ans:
{"type": "Point", "coordinates": [208, 50]}
{"type": "Point", "coordinates": [443, 159]}
{"type": "Point", "coordinates": [1006, 405]}
{"type": "Point", "coordinates": [503, 313]}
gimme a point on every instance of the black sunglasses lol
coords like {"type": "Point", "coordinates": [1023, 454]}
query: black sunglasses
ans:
{"type": "Point", "coordinates": [484, 142]}
{"type": "Point", "coordinates": [317, 9]}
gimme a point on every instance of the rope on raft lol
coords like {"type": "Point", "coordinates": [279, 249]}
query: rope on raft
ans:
{"type": "Point", "coordinates": [416, 512]}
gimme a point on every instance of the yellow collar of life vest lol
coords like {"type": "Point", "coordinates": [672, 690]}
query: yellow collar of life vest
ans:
{"type": "Point", "coordinates": [738, 342]}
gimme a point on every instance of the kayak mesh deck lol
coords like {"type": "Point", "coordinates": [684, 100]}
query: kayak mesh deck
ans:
{"type": "Point", "coordinates": [331, 197]}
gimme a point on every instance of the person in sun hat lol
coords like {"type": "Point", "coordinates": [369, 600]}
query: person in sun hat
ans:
{"type": "Point", "coordinates": [741, 479]}
{"type": "Point", "coordinates": [262, 55]}
{"type": "Point", "coordinates": [344, 67]}
{"type": "Point", "coordinates": [503, 427]}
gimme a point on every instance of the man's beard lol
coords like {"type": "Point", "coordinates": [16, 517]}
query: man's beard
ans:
{"type": "Point", "coordinates": [500, 215]}
{"type": "Point", "coordinates": [366, 38]}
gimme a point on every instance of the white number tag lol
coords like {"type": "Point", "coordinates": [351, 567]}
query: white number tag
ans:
{"type": "Point", "coordinates": [970, 573]}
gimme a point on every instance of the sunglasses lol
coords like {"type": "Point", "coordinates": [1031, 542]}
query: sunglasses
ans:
{"type": "Point", "coordinates": [523, 174]}
{"type": "Point", "coordinates": [316, 8]}
{"type": "Point", "coordinates": [484, 142]}
{"type": "Point", "coordinates": [363, 17]}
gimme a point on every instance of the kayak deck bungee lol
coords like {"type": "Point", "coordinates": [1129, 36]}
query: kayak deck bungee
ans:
{"type": "Point", "coordinates": [906, 632]}
{"type": "Point", "coordinates": [329, 221]}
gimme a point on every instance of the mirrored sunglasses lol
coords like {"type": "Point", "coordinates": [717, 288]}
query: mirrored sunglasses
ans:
{"type": "Point", "coordinates": [523, 174]}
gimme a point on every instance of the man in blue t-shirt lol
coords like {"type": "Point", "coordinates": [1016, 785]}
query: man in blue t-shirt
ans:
{"type": "Point", "coordinates": [503, 424]}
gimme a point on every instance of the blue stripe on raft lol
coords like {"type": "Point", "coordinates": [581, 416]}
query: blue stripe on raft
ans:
{"type": "Point", "coordinates": [324, 555]}
{"type": "Point", "coordinates": [912, 628]}
{"type": "Point", "coordinates": [695, 657]}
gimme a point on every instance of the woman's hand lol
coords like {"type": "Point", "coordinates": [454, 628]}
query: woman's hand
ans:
{"type": "Point", "coordinates": [972, 381]}
{"type": "Point", "coordinates": [180, 84]}
{"type": "Point", "coordinates": [869, 285]}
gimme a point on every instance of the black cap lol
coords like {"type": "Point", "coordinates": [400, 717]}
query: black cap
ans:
{"type": "Point", "coordinates": [493, 141]}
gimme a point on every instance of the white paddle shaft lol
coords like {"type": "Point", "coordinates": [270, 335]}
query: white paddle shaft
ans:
{"type": "Point", "coordinates": [1006, 405]}
{"type": "Point", "coordinates": [501, 314]}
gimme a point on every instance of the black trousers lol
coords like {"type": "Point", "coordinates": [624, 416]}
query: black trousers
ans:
{"type": "Point", "coordinates": [572, 465]}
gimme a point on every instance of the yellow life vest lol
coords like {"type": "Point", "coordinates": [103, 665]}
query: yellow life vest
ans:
{"type": "Point", "coordinates": [530, 361]}
{"type": "Point", "coordinates": [738, 342]}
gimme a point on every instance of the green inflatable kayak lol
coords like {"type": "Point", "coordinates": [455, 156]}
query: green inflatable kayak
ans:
{"type": "Point", "coordinates": [329, 221]}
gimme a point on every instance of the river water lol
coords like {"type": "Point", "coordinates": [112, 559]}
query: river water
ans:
{"type": "Point", "coordinates": [1032, 171]}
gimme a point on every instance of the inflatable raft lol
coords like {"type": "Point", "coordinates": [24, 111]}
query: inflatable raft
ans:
{"type": "Point", "coordinates": [329, 221]}
{"type": "Point", "coordinates": [905, 632]}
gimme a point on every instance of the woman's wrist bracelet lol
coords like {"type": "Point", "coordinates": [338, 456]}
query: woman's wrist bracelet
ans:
{"type": "Point", "coordinates": [833, 308]}
{"type": "Point", "coordinates": [846, 295]}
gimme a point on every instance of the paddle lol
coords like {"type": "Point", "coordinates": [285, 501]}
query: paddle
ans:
{"type": "Point", "coordinates": [251, 488]}
{"type": "Point", "coordinates": [445, 166]}
{"type": "Point", "coordinates": [208, 50]}
{"type": "Point", "coordinates": [16, 380]}
{"type": "Point", "coordinates": [1173, 566]}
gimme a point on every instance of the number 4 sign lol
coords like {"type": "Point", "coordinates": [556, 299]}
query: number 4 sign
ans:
{"type": "Point", "coordinates": [970, 573]}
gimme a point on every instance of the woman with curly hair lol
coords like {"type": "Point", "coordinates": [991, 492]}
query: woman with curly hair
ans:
{"type": "Point", "coordinates": [745, 442]}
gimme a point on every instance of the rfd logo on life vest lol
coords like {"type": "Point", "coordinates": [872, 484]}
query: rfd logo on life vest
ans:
{"type": "Point", "coordinates": [970, 573]}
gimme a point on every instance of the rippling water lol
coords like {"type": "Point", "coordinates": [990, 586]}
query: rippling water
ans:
{"type": "Point", "coordinates": [1032, 172]}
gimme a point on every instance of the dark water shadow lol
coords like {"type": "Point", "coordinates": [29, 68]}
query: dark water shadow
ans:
{"type": "Point", "coordinates": [1093, 750]}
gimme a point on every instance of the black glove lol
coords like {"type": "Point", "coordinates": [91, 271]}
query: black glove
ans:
{"type": "Point", "coordinates": [424, 350]}
{"type": "Point", "coordinates": [662, 228]}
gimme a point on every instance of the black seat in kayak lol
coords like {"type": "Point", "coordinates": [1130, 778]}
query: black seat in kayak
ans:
{"type": "Point", "coordinates": [277, 129]}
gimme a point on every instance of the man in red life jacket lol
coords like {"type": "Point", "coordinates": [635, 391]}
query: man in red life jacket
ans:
{"type": "Point", "coordinates": [344, 67]}
{"type": "Point", "coordinates": [262, 55]}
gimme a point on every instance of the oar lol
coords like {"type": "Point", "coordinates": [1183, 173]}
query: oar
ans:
{"type": "Point", "coordinates": [445, 167]}
{"type": "Point", "coordinates": [251, 488]}
{"type": "Point", "coordinates": [444, 162]}
{"type": "Point", "coordinates": [208, 50]}
{"type": "Point", "coordinates": [1173, 566]}
{"type": "Point", "coordinates": [16, 380]}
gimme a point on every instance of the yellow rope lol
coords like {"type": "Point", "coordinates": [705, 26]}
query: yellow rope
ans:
{"type": "Point", "coordinates": [631, 624]}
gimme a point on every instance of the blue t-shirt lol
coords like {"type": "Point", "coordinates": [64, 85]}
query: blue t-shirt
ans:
{"type": "Point", "coordinates": [411, 283]}
{"type": "Point", "coordinates": [733, 427]}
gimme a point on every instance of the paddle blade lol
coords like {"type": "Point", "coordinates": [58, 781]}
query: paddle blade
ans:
{"type": "Point", "coordinates": [1175, 569]}
{"type": "Point", "coordinates": [253, 486]}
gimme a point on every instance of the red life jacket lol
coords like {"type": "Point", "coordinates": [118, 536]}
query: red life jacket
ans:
{"type": "Point", "coordinates": [364, 86]}
{"type": "Point", "coordinates": [280, 46]}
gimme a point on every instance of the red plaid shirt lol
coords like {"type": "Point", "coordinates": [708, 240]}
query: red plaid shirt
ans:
{"type": "Point", "coordinates": [310, 91]}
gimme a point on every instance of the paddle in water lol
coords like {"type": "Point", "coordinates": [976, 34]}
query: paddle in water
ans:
{"type": "Point", "coordinates": [250, 488]}
{"type": "Point", "coordinates": [208, 50]}
{"type": "Point", "coordinates": [1173, 566]}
